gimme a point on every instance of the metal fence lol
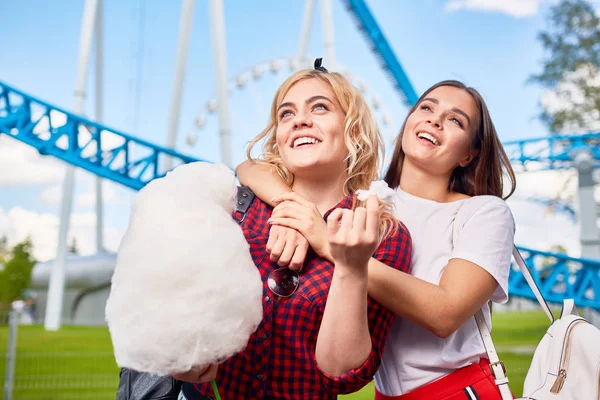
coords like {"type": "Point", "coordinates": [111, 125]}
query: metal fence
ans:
{"type": "Point", "coordinates": [75, 362]}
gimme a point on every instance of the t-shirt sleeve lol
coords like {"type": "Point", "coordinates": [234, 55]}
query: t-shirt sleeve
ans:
{"type": "Point", "coordinates": [484, 236]}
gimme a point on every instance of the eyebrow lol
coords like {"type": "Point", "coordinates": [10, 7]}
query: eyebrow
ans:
{"type": "Point", "coordinates": [456, 110]}
{"type": "Point", "coordinates": [308, 101]}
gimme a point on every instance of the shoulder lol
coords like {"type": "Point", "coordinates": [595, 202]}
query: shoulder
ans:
{"type": "Point", "coordinates": [485, 209]}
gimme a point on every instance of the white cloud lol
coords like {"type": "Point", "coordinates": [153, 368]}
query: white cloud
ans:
{"type": "Point", "coordinates": [21, 165]}
{"type": "Point", "coordinates": [515, 8]}
{"type": "Point", "coordinates": [52, 196]}
{"type": "Point", "coordinates": [540, 230]}
{"type": "Point", "coordinates": [19, 223]}
{"type": "Point", "coordinates": [539, 226]}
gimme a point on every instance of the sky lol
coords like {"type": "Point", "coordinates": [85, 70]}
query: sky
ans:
{"type": "Point", "coordinates": [489, 44]}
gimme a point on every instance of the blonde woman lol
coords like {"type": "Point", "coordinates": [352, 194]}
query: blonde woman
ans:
{"type": "Point", "coordinates": [321, 335]}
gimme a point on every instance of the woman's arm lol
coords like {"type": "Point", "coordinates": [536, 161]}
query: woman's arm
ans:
{"type": "Point", "coordinates": [263, 179]}
{"type": "Point", "coordinates": [344, 340]}
{"type": "Point", "coordinates": [463, 289]}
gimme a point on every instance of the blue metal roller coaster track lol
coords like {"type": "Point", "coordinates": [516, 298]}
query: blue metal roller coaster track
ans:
{"type": "Point", "coordinates": [83, 143]}
{"type": "Point", "coordinates": [133, 163]}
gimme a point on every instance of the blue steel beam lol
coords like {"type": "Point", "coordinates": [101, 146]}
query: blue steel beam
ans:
{"type": "Point", "coordinates": [134, 162]}
{"type": "Point", "coordinates": [369, 26]}
{"type": "Point", "coordinates": [552, 152]}
{"type": "Point", "coordinates": [83, 143]}
{"type": "Point", "coordinates": [558, 276]}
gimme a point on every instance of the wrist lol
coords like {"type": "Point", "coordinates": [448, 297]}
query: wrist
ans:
{"type": "Point", "coordinates": [344, 271]}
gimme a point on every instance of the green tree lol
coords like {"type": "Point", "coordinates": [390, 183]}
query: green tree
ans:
{"type": "Point", "coordinates": [3, 247]}
{"type": "Point", "coordinates": [16, 275]}
{"type": "Point", "coordinates": [570, 68]}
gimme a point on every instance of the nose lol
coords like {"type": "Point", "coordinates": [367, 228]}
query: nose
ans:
{"type": "Point", "coordinates": [302, 120]}
{"type": "Point", "coordinates": [435, 121]}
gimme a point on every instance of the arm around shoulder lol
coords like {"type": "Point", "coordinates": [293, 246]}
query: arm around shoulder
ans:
{"type": "Point", "coordinates": [263, 179]}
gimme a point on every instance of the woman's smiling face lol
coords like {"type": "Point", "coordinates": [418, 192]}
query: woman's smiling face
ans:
{"type": "Point", "coordinates": [310, 130]}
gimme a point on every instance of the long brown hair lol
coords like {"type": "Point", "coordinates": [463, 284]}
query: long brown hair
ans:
{"type": "Point", "coordinates": [484, 174]}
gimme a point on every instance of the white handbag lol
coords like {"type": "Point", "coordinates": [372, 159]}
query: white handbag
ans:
{"type": "Point", "coordinates": [566, 362]}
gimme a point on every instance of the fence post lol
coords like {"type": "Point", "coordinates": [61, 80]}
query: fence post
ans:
{"type": "Point", "coordinates": [11, 354]}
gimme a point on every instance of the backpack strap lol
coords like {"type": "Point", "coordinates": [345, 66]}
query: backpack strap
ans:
{"type": "Point", "coordinates": [245, 197]}
{"type": "Point", "coordinates": [531, 282]}
{"type": "Point", "coordinates": [496, 366]}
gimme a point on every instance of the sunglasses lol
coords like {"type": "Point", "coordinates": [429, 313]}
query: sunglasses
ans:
{"type": "Point", "coordinates": [283, 282]}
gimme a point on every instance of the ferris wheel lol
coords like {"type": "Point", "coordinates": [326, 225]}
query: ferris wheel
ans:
{"type": "Point", "coordinates": [249, 82]}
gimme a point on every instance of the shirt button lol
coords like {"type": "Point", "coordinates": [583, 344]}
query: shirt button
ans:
{"type": "Point", "coordinates": [267, 298]}
{"type": "Point", "coordinates": [264, 336]}
{"type": "Point", "coordinates": [259, 376]}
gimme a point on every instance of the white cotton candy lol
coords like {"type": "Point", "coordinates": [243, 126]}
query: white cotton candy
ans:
{"type": "Point", "coordinates": [185, 291]}
{"type": "Point", "coordinates": [379, 188]}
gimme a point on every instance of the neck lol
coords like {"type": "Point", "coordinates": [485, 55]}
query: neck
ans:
{"type": "Point", "coordinates": [324, 193]}
{"type": "Point", "coordinates": [422, 183]}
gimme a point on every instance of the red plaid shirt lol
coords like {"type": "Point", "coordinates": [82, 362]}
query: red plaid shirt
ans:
{"type": "Point", "coordinates": [279, 361]}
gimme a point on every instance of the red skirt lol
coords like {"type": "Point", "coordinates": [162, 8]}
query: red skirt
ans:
{"type": "Point", "coordinates": [473, 382]}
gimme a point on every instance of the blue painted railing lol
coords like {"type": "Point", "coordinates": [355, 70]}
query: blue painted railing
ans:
{"type": "Point", "coordinates": [552, 152]}
{"type": "Point", "coordinates": [83, 143]}
{"type": "Point", "coordinates": [558, 276]}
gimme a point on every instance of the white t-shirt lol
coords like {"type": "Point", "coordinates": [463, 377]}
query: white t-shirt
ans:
{"type": "Point", "coordinates": [413, 356]}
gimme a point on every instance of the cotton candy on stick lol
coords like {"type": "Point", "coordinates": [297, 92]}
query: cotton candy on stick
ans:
{"type": "Point", "coordinates": [185, 291]}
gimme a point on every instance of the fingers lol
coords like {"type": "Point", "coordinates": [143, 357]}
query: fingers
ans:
{"type": "Point", "coordinates": [291, 209]}
{"type": "Point", "coordinates": [334, 221]}
{"type": "Point", "coordinates": [288, 252]}
{"type": "Point", "coordinates": [287, 247]}
{"type": "Point", "coordinates": [278, 247]}
{"type": "Point", "coordinates": [209, 374]}
{"type": "Point", "coordinates": [198, 374]}
{"type": "Point", "coordinates": [291, 223]}
{"type": "Point", "coordinates": [273, 236]}
{"type": "Point", "coordinates": [299, 256]}
{"type": "Point", "coordinates": [373, 221]}
{"type": "Point", "coordinates": [292, 196]}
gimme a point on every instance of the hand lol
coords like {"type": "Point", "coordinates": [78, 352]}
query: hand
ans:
{"type": "Point", "coordinates": [293, 211]}
{"type": "Point", "coordinates": [286, 246]}
{"type": "Point", "coordinates": [354, 235]}
{"type": "Point", "coordinates": [198, 374]}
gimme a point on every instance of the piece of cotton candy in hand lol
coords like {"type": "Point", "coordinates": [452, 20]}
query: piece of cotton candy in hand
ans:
{"type": "Point", "coordinates": [379, 188]}
{"type": "Point", "coordinates": [185, 291]}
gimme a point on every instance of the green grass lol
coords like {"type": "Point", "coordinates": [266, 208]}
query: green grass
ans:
{"type": "Point", "coordinates": [78, 363]}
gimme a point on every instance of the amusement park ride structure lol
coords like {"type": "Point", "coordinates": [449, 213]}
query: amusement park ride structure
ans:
{"type": "Point", "coordinates": [133, 162]}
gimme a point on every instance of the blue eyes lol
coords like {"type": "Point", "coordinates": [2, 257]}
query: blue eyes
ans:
{"type": "Point", "coordinates": [317, 107]}
{"type": "Point", "coordinates": [454, 120]}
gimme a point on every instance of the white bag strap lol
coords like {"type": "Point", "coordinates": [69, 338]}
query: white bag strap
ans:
{"type": "Point", "coordinates": [496, 365]}
{"type": "Point", "coordinates": [531, 283]}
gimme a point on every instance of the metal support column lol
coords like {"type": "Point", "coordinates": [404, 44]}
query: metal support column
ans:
{"type": "Point", "coordinates": [327, 22]}
{"type": "Point", "coordinates": [98, 114]}
{"type": "Point", "coordinates": [589, 236]}
{"type": "Point", "coordinates": [217, 33]}
{"type": "Point", "coordinates": [309, 7]}
{"type": "Point", "coordinates": [183, 43]}
{"type": "Point", "coordinates": [57, 279]}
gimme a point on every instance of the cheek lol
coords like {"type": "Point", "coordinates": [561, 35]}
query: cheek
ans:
{"type": "Point", "coordinates": [280, 138]}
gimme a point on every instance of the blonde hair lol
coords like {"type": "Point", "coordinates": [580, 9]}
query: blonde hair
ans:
{"type": "Point", "coordinates": [361, 136]}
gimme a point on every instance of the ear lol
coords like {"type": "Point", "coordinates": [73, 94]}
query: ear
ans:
{"type": "Point", "coordinates": [465, 161]}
